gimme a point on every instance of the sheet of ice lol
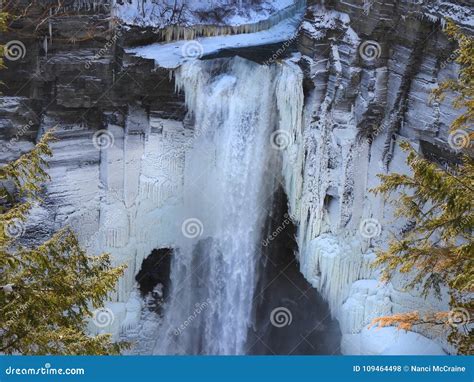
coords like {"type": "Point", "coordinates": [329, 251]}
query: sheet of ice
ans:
{"type": "Point", "coordinates": [172, 55]}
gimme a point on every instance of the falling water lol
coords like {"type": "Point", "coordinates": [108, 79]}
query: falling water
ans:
{"type": "Point", "coordinates": [229, 177]}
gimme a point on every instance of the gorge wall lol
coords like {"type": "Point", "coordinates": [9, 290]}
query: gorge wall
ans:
{"type": "Point", "coordinates": [124, 136]}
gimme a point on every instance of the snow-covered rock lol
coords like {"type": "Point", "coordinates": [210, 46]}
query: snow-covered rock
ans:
{"type": "Point", "coordinates": [189, 13]}
{"type": "Point", "coordinates": [355, 114]}
{"type": "Point", "coordinates": [389, 341]}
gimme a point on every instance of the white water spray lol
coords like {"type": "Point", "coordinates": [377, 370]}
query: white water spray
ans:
{"type": "Point", "coordinates": [229, 177]}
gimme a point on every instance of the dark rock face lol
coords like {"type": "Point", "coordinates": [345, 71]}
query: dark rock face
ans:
{"type": "Point", "coordinates": [262, 54]}
{"type": "Point", "coordinates": [80, 76]}
{"type": "Point", "coordinates": [291, 317]}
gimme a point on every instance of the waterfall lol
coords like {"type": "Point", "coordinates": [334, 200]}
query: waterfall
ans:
{"type": "Point", "coordinates": [229, 180]}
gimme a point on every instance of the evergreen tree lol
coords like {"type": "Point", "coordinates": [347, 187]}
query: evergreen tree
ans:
{"type": "Point", "coordinates": [439, 249]}
{"type": "Point", "coordinates": [48, 292]}
{"type": "Point", "coordinates": [3, 27]}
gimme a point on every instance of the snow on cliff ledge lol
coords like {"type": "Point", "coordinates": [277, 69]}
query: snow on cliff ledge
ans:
{"type": "Point", "coordinates": [160, 13]}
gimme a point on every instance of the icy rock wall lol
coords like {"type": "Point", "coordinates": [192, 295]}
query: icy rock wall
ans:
{"type": "Point", "coordinates": [121, 199]}
{"type": "Point", "coordinates": [355, 113]}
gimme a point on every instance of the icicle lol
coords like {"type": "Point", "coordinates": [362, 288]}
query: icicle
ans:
{"type": "Point", "coordinates": [45, 45]}
{"type": "Point", "coordinates": [50, 26]}
{"type": "Point", "coordinates": [176, 32]}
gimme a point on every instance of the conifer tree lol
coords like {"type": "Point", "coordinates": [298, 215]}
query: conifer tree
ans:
{"type": "Point", "coordinates": [47, 292]}
{"type": "Point", "coordinates": [3, 27]}
{"type": "Point", "coordinates": [439, 204]}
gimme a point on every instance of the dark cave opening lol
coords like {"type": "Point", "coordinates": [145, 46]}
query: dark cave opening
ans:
{"type": "Point", "coordinates": [290, 316]}
{"type": "Point", "coordinates": [155, 270]}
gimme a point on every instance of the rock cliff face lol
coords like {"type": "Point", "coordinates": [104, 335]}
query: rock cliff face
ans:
{"type": "Point", "coordinates": [360, 83]}
{"type": "Point", "coordinates": [369, 70]}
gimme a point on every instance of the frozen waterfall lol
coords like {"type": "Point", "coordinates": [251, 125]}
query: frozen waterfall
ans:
{"type": "Point", "coordinates": [230, 174]}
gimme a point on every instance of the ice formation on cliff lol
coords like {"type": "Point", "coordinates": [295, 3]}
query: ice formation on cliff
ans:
{"type": "Point", "coordinates": [188, 13]}
{"type": "Point", "coordinates": [228, 183]}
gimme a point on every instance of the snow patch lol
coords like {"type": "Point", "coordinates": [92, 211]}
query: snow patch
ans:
{"type": "Point", "coordinates": [161, 13]}
{"type": "Point", "coordinates": [172, 55]}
